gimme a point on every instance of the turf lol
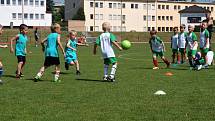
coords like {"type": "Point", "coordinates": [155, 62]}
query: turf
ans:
{"type": "Point", "coordinates": [190, 94]}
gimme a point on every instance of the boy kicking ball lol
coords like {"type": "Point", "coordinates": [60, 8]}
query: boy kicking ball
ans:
{"type": "Point", "coordinates": [105, 41]}
{"type": "Point", "coordinates": [157, 48]}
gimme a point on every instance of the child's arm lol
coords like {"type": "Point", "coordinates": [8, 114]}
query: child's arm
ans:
{"type": "Point", "coordinates": [60, 45]}
{"type": "Point", "coordinates": [207, 43]}
{"type": "Point", "coordinates": [94, 50]}
{"type": "Point", "coordinates": [11, 43]}
{"type": "Point", "coordinates": [117, 45]}
{"type": "Point", "coordinates": [68, 45]}
{"type": "Point", "coordinates": [3, 46]}
{"type": "Point", "coordinates": [43, 44]}
{"type": "Point", "coordinates": [150, 44]}
{"type": "Point", "coordinates": [81, 44]}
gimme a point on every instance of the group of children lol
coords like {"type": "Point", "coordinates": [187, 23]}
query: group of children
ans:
{"type": "Point", "coordinates": [184, 47]}
{"type": "Point", "coordinates": [182, 42]}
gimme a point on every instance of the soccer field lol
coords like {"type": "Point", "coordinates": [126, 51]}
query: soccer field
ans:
{"type": "Point", "coordinates": [190, 94]}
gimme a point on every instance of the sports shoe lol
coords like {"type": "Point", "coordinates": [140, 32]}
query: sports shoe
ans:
{"type": "Point", "coordinates": [78, 73]}
{"type": "Point", "coordinates": [105, 78]}
{"type": "Point", "coordinates": [112, 79]}
{"type": "Point", "coordinates": [66, 66]}
{"type": "Point", "coordinates": [206, 66]}
{"type": "Point", "coordinates": [57, 80]}
{"type": "Point", "coordinates": [36, 78]}
{"type": "Point", "coordinates": [18, 76]}
{"type": "Point", "coordinates": [199, 67]}
{"type": "Point", "coordinates": [21, 75]}
{"type": "Point", "coordinates": [155, 68]}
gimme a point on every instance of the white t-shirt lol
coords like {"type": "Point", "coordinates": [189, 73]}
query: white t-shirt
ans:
{"type": "Point", "coordinates": [105, 42]}
{"type": "Point", "coordinates": [174, 41]}
{"type": "Point", "coordinates": [182, 40]}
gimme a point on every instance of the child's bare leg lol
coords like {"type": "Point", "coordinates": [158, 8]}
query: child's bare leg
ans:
{"type": "Point", "coordinates": [178, 58]}
{"type": "Point", "coordinates": [182, 57]}
{"type": "Point", "coordinates": [165, 61]}
{"type": "Point", "coordinates": [41, 72]}
{"type": "Point", "coordinates": [19, 68]}
{"type": "Point", "coordinates": [77, 68]}
{"type": "Point", "coordinates": [57, 73]}
{"type": "Point", "coordinates": [173, 57]}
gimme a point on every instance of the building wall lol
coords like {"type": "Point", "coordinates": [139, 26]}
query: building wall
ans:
{"type": "Point", "coordinates": [34, 15]}
{"type": "Point", "coordinates": [161, 15]}
{"type": "Point", "coordinates": [71, 7]}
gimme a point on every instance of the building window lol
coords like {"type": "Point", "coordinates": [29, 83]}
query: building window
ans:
{"type": "Point", "coordinates": [212, 8]}
{"type": "Point", "coordinates": [208, 8]}
{"type": "Point", "coordinates": [2, 2]}
{"type": "Point", "coordinates": [167, 18]}
{"type": "Point", "coordinates": [96, 28]}
{"type": "Point", "coordinates": [25, 16]}
{"type": "Point", "coordinates": [31, 16]}
{"type": "Point", "coordinates": [149, 17]}
{"type": "Point", "coordinates": [149, 6]}
{"type": "Point", "coordinates": [91, 4]}
{"type": "Point", "coordinates": [36, 16]}
{"type": "Point", "coordinates": [119, 17]}
{"type": "Point", "coordinates": [179, 7]}
{"type": "Point", "coordinates": [171, 18]}
{"type": "Point", "coordinates": [91, 28]}
{"type": "Point", "coordinates": [8, 2]}
{"type": "Point", "coordinates": [163, 7]}
{"type": "Point", "coordinates": [101, 16]}
{"type": "Point", "coordinates": [124, 29]}
{"type": "Point", "coordinates": [13, 15]}
{"type": "Point", "coordinates": [101, 5]}
{"type": "Point", "coordinates": [144, 29]}
{"type": "Point", "coordinates": [149, 28]}
{"type": "Point", "coordinates": [25, 2]}
{"type": "Point", "coordinates": [19, 15]}
{"type": "Point", "coordinates": [96, 16]}
{"type": "Point", "coordinates": [153, 6]}
{"type": "Point", "coordinates": [186, 7]}
{"type": "Point", "coordinates": [42, 3]}
{"type": "Point", "coordinates": [114, 17]}
{"type": "Point", "coordinates": [144, 18]}
{"type": "Point", "coordinates": [14, 2]}
{"type": "Point", "coordinates": [163, 18]}
{"type": "Point", "coordinates": [159, 29]}
{"type": "Point", "coordinates": [114, 5]}
{"type": "Point", "coordinates": [136, 6]}
{"type": "Point", "coordinates": [163, 29]}
{"type": "Point", "coordinates": [37, 2]}
{"type": "Point", "coordinates": [159, 17]}
{"type": "Point", "coordinates": [167, 7]}
{"type": "Point", "coordinates": [110, 5]}
{"type": "Point", "coordinates": [123, 5]}
{"type": "Point", "coordinates": [119, 6]}
{"type": "Point", "coordinates": [31, 2]}
{"type": "Point", "coordinates": [159, 6]}
{"type": "Point", "coordinates": [91, 16]}
{"type": "Point", "coordinates": [175, 7]}
{"type": "Point", "coordinates": [167, 29]}
{"type": "Point", "coordinates": [110, 17]}
{"type": "Point", "coordinates": [153, 28]}
{"type": "Point", "coordinates": [42, 16]}
{"type": "Point", "coordinates": [123, 17]}
{"type": "Point", "coordinates": [96, 4]}
{"type": "Point", "coordinates": [171, 28]}
{"type": "Point", "coordinates": [19, 2]}
{"type": "Point", "coordinates": [132, 5]}
{"type": "Point", "coordinates": [114, 28]}
{"type": "Point", "coordinates": [194, 20]}
{"type": "Point", "coordinates": [153, 18]}
{"type": "Point", "coordinates": [73, 5]}
{"type": "Point", "coordinates": [144, 6]}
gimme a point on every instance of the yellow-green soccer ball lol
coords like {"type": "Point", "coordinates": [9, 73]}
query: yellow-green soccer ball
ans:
{"type": "Point", "coordinates": [126, 44]}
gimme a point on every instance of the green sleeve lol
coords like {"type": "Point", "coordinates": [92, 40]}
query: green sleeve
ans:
{"type": "Point", "coordinates": [206, 33]}
{"type": "Point", "coordinates": [98, 41]}
{"type": "Point", "coordinates": [194, 37]}
{"type": "Point", "coordinates": [159, 39]}
{"type": "Point", "coordinates": [112, 37]}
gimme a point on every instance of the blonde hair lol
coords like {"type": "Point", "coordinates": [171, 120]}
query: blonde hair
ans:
{"type": "Point", "coordinates": [106, 26]}
{"type": "Point", "coordinates": [73, 32]}
{"type": "Point", "coordinates": [54, 27]}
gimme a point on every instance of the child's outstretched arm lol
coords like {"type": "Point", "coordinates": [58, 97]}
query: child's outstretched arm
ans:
{"type": "Point", "coordinates": [3, 46]}
{"type": "Point", "coordinates": [117, 45]}
{"type": "Point", "coordinates": [81, 44]}
{"type": "Point", "coordinates": [60, 45]}
{"type": "Point", "coordinates": [68, 45]}
{"type": "Point", "coordinates": [11, 43]}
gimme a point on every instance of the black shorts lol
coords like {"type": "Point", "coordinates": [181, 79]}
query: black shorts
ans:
{"type": "Point", "coordinates": [49, 61]}
{"type": "Point", "coordinates": [21, 58]}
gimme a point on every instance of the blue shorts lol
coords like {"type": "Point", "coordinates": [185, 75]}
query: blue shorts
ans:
{"type": "Point", "coordinates": [71, 58]}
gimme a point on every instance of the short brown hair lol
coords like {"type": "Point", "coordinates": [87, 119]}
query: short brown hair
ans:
{"type": "Point", "coordinates": [54, 27]}
{"type": "Point", "coordinates": [152, 32]}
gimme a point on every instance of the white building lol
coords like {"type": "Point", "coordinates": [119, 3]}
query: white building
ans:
{"type": "Point", "coordinates": [30, 12]}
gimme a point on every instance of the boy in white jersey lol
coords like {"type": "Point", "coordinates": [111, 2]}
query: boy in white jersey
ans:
{"type": "Point", "coordinates": [157, 48]}
{"type": "Point", "coordinates": [182, 42]}
{"type": "Point", "coordinates": [105, 41]}
{"type": "Point", "coordinates": [191, 44]}
{"type": "Point", "coordinates": [174, 45]}
{"type": "Point", "coordinates": [204, 42]}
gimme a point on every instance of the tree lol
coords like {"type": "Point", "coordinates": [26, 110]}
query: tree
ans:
{"type": "Point", "coordinates": [79, 15]}
{"type": "Point", "coordinates": [49, 5]}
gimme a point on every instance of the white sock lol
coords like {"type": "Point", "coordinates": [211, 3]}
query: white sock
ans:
{"type": "Point", "coordinates": [56, 77]}
{"type": "Point", "coordinates": [39, 74]}
{"type": "Point", "coordinates": [113, 70]}
{"type": "Point", "coordinates": [106, 70]}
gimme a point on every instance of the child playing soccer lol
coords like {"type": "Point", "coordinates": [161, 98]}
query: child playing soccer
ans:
{"type": "Point", "coordinates": [51, 52]}
{"type": "Point", "coordinates": [1, 46]}
{"type": "Point", "coordinates": [191, 44]}
{"type": "Point", "coordinates": [105, 41]}
{"type": "Point", "coordinates": [204, 42]}
{"type": "Point", "coordinates": [182, 42]}
{"type": "Point", "coordinates": [20, 49]}
{"type": "Point", "coordinates": [157, 48]}
{"type": "Point", "coordinates": [174, 45]}
{"type": "Point", "coordinates": [70, 50]}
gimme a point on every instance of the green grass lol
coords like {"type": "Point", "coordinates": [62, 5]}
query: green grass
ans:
{"type": "Point", "coordinates": [190, 94]}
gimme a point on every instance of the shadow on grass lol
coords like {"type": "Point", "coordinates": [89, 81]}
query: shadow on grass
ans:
{"type": "Point", "coordinates": [11, 76]}
{"type": "Point", "coordinates": [63, 73]}
{"type": "Point", "coordinates": [91, 80]}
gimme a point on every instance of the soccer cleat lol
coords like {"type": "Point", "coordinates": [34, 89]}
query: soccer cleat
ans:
{"type": "Point", "coordinates": [21, 75]}
{"type": "Point", "coordinates": [199, 67]}
{"type": "Point", "coordinates": [66, 66]}
{"type": "Point", "coordinates": [57, 80]}
{"type": "Point", "coordinates": [112, 79]}
{"type": "Point", "coordinates": [155, 68]}
{"type": "Point", "coordinates": [206, 66]}
{"type": "Point", "coordinates": [18, 76]}
{"type": "Point", "coordinates": [105, 78]}
{"type": "Point", "coordinates": [78, 73]}
{"type": "Point", "coordinates": [36, 78]}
